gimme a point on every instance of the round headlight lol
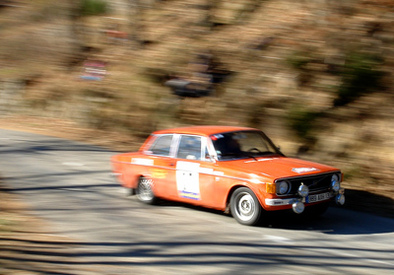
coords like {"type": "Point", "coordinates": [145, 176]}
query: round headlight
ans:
{"type": "Point", "coordinates": [303, 190]}
{"type": "Point", "coordinates": [282, 187]}
{"type": "Point", "coordinates": [335, 185]}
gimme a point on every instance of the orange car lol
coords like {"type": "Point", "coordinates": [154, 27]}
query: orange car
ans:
{"type": "Point", "coordinates": [233, 169]}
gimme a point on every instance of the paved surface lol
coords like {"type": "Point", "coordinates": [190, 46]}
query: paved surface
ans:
{"type": "Point", "coordinates": [69, 185]}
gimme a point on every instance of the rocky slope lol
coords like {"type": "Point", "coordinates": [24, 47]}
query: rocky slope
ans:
{"type": "Point", "coordinates": [315, 75]}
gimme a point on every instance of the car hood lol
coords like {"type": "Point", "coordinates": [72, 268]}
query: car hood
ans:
{"type": "Point", "coordinates": [279, 167]}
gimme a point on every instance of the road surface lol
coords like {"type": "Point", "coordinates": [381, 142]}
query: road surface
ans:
{"type": "Point", "coordinates": [69, 185]}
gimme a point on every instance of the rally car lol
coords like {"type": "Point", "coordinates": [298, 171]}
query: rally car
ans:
{"type": "Point", "coordinates": [233, 169]}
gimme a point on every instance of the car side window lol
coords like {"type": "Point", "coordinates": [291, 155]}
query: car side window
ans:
{"type": "Point", "coordinates": [189, 147]}
{"type": "Point", "coordinates": [161, 145]}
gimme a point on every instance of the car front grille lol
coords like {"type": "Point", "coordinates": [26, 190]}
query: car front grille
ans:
{"type": "Point", "coordinates": [316, 183]}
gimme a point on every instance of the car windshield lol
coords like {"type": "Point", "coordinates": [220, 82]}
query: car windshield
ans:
{"type": "Point", "coordinates": [243, 144]}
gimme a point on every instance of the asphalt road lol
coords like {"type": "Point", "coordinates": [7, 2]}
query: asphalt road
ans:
{"type": "Point", "coordinates": [69, 185]}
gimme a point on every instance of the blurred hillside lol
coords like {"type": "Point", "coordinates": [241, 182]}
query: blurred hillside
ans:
{"type": "Point", "coordinates": [315, 75]}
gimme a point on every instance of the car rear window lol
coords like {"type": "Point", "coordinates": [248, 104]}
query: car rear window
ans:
{"type": "Point", "coordinates": [161, 145]}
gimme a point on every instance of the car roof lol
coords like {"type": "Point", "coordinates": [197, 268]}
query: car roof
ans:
{"type": "Point", "coordinates": [203, 130]}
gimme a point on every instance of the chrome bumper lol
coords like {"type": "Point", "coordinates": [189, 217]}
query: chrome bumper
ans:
{"type": "Point", "coordinates": [299, 201]}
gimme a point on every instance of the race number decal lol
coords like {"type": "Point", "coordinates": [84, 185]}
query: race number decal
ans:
{"type": "Point", "coordinates": [187, 180]}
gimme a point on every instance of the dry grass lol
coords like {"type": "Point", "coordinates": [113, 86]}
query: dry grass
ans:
{"type": "Point", "coordinates": [131, 100]}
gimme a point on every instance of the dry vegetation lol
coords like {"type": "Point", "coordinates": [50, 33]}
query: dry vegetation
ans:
{"type": "Point", "coordinates": [315, 75]}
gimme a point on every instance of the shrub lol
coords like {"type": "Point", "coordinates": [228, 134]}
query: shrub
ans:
{"type": "Point", "coordinates": [299, 59]}
{"type": "Point", "coordinates": [301, 121]}
{"type": "Point", "coordinates": [93, 7]}
{"type": "Point", "coordinates": [360, 75]}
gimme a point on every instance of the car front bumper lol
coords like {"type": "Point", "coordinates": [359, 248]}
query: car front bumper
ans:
{"type": "Point", "coordinates": [298, 203]}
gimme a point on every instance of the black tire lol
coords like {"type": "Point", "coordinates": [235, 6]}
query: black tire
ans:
{"type": "Point", "coordinates": [144, 191]}
{"type": "Point", "coordinates": [245, 207]}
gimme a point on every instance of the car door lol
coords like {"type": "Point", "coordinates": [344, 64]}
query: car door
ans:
{"type": "Point", "coordinates": [194, 174]}
{"type": "Point", "coordinates": [162, 172]}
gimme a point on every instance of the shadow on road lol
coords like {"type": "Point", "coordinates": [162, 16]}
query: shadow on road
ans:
{"type": "Point", "coordinates": [337, 220]}
{"type": "Point", "coordinates": [181, 254]}
{"type": "Point", "coordinates": [52, 145]}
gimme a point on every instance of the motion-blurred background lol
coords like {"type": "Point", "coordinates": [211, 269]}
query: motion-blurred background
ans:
{"type": "Point", "coordinates": [315, 75]}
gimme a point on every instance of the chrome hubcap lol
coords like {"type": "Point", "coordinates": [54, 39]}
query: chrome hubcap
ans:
{"type": "Point", "coordinates": [245, 206]}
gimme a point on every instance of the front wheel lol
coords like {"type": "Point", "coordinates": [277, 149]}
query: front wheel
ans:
{"type": "Point", "coordinates": [144, 191]}
{"type": "Point", "coordinates": [245, 207]}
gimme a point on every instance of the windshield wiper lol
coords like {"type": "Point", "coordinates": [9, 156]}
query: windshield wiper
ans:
{"type": "Point", "coordinates": [266, 153]}
{"type": "Point", "coordinates": [249, 155]}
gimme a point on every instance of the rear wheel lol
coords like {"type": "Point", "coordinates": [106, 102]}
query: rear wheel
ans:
{"type": "Point", "coordinates": [245, 207]}
{"type": "Point", "coordinates": [144, 191]}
